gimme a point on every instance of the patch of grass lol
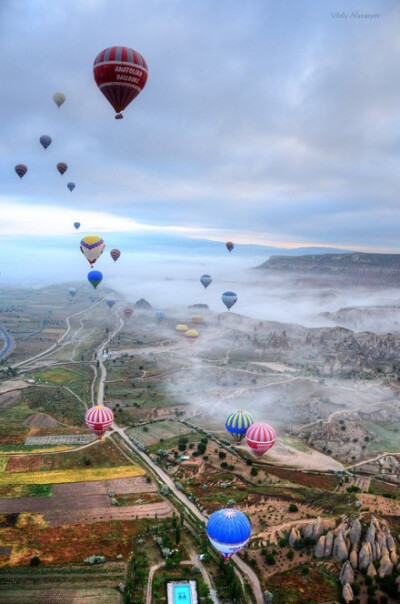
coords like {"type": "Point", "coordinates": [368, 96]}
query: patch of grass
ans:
{"type": "Point", "coordinates": [76, 475]}
{"type": "Point", "coordinates": [57, 376]}
{"type": "Point", "coordinates": [296, 443]}
{"type": "Point", "coordinates": [298, 587]}
{"type": "Point", "coordinates": [388, 436]}
{"type": "Point", "coordinates": [14, 491]}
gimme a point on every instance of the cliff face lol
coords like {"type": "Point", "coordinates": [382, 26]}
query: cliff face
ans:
{"type": "Point", "coordinates": [357, 268]}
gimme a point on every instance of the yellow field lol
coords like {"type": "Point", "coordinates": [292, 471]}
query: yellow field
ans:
{"type": "Point", "coordinates": [53, 330]}
{"type": "Point", "coordinates": [76, 475]}
{"type": "Point", "coordinates": [19, 450]}
{"type": "Point", "coordinates": [3, 463]}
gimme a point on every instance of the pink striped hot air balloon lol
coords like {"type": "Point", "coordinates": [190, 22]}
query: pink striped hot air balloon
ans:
{"type": "Point", "coordinates": [260, 437]}
{"type": "Point", "coordinates": [115, 254]}
{"type": "Point", "coordinates": [128, 312]}
{"type": "Point", "coordinates": [99, 419]}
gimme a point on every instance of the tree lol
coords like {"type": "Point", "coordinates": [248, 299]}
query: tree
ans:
{"type": "Point", "coordinates": [177, 534]}
{"type": "Point", "coordinates": [201, 447]}
{"type": "Point", "coordinates": [35, 561]}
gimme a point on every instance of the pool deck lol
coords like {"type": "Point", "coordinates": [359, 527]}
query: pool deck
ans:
{"type": "Point", "coordinates": [190, 584]}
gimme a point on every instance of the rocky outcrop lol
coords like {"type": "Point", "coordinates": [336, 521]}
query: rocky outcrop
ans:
{"type": "Point", "coordinates": [355, 532]}
{"type": "Point", "coordinates": [314, 530]}
{"type": "Point", "coordinates": [340, 551]}
{"type": "Point", "coordinates": [365, 556]}
{"type": "Point", "coordinates": [294, 537]}
{"type": "Point", "coordinates": [319, 549]}
{"type": "Point", "coordinates": [371, 570]}
{"type": "Point", "coordinates": [347, 593]}
{"type": "Point", "coordinates": [386, 567]}
{"type": "Point", "coordinates": [353, 559]}
{"type": "Point", "coordinates": [142, 304]}
{"type": "Point", "coordinates": [346, 574]}
{"type": "Point", "coordinates": [328, 544]}
{"type": "Point", "coordinates": [268, 597]}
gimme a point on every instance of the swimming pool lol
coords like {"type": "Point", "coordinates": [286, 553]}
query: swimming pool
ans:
{"type": "Point", "coordinates": [182, 594]}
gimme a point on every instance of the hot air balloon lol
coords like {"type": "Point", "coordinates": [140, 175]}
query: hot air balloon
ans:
{"type": "Point", "coordinates": [229, 299]}
{"type": "Point", "coordinates": [228, 531]}
{"type": "Point", "coordinates": [121, 74]}
{"type": "Point", "coordinates": [72, 291]}
{"type": "Point", "coordinates": [99, 419]}
{"type": "Point", "coordinates": [45, 141]}
{"type": "Point", "coordinates": [191, 335]}
{"type": "Point", "coordinates": [115, 254]}
{"type": "Point", "coordinates": [237, 423]}
{"type": "Point", "coordinates": [205, 280]}
{"type": "Point", "coordinates": [260, 437]}
{"type": "Point", "coordinates": [71, 186]}
{"type": "Point", "coordinates": [229, 246]}
{"type": "Point", "coordinates": [59, 98]}
{"type": "Point", "coordinates": [128, 312]}
{"type": "Point", "coordinates": [21, 170]}
{"type": "Point", "coordinates": [160, 315]}
{"type": "Point", "coordinates": [181, 329]}
{"type": "Point", "coordinates": [62, 167]}
{"type": "Point", "coordinates": [77, 225]}
{"type": "Point", "coordinates": [197, 319]}
{"type": "Point", "coordinates": [110, 302]}
{"type": "Point", "coordinates": [92, 248]}
{"type": "Point", "coordinates": [95, 277]}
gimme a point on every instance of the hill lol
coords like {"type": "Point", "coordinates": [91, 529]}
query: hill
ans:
{"type": "Point", "coordinates": [357, 268]}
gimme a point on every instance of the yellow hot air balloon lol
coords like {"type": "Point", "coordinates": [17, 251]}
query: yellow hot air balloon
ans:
{"type": "Point", "coordinates": [197, 319]}
{"type": "Point", "coordinates": [59, 98]}
{"type": "Point", "coordinates": [192, 335]}
{"type": "Point", "coordinates": [92, 248]}
{"type": "Point", "coordinates": [181, 329]}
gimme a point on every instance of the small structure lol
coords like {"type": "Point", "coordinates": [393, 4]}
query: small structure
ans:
{"type": "Point", "coordinates": [182, 592]}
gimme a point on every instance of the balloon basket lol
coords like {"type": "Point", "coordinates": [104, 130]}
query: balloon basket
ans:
{"type": "Point", "coordinates": [119, 116]}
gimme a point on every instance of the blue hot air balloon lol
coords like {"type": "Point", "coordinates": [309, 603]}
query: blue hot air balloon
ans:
{"type": "Point", "coordinates": [229, 299]}
{"type": "Point", "coordinates": [95, 277]}
{"type": "Point", "coordinates": [110, 302]}
{"type": "Point", "coordinates": [45, 141]}
{"type": "Point", "coordinates": [72, 291]}
{"type": "Point", "coordinates": [77, 225]}
{"type": "Point", "coordinates": [160, 315]}
{"type": "Point", "coordinates": [71, 186]}
{"type": "Point", "coordinates": [237, 423]}
{"type": "Point", "coordinates": [205, 280]}
{"type": "Point", "coordinates": [228, 531]}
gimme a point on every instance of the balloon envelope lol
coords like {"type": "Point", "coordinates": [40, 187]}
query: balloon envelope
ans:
{"type": "Point", "coordinates": [110, 302]}
{"type": "Point", "coordinates": [197, 319]}
{"type": "Point", "coordinates": [72, 291]}
{"type": "Point", "coordinates": [128, 311]}
{"type": "Point", "coordinates": [95, 277]}
{"type": "Point", "coordinates": [59, 98]}
{"type": "Point", "coordinates": [237, 424]}
{"type": "Point", "coordinates": [181, 328]}
{"type": "Point", "coordinates": [229, 299]}
{"type": "Point", "coordinates": [92, 248]}
{"type": "Point", "coordinates": [229, 531]}
{"type": "Point", "coordinates": [115, 254]}
{"type": "Point", "coordinates": [77, 225]}
{"type": "Point", "coordinates": [99, 419]}
{"type": "Point", "coordinates": [121, 74]}
{"type": "Point", "coordinates": [260, 437]}
{"type": "Point", "coordinates": [62, 167]}
{"type": "Point", "coordinates": [21, 170]}
{"type": "Point", "coordinates": [71, 186]}
{"type": "Point", "coordinates": [205, 280]}
{"type": "Point", "coordinates": [229, 246]}
{"type": "Point", "coordinates": [191, 335]}
{"type": "Point", "coordinates": [160, 315]}
{"type": "Point", "coordinates": [45, 141]}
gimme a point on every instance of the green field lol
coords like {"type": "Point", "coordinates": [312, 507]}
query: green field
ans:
{"type": "Point", "coordinates": [25, 490]}
{"type": "Point", "coordinates": [388, 437]}
{"type": "Point", "coordinates": [152, 433]}
{"type": "Point", "coordinates": [57, 376]}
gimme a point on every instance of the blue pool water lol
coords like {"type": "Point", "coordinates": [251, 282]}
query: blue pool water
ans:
{"type": "Point", "coordinates": [182, 594]}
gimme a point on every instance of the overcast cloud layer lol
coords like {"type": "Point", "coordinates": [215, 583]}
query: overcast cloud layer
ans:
{"type": "Point", "coordinates": [271, 122]}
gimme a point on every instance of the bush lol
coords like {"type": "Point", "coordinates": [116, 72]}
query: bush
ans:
{"type": "Point", "coordinates": [293, 508]}
{"type": "Point", "coordinates": [35, 561]}
{"type": "Point", "coordinates": [222, 454]}
{"type": "Point", "coordinates": [290, 554]}
{"type": "Point", "coordinates": [253, 471]}
{"type": "Point", "coordinates": [270, 559]}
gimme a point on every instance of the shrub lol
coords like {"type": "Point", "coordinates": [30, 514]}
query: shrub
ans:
{"type": "Point", "coordinates": [35, 561]}
{"type": "Point", "coordinates": [293, 508]}
{"type": "Point", "coordinates": [253, 471]}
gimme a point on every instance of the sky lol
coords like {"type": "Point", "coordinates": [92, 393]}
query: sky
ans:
{"type": "Point", "coordinates": [263, 122]}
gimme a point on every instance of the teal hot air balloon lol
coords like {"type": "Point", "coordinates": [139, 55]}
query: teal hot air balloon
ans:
{"type": "Point", "coordinates": [95, 277]}
{"type": "Point", "coordinates": [45, 141]}
{"type": "Point", "coordinates": [237, 423]}
{"type": "Point", "coordinates": [229, 531]}
{"type": "Point", "coordinates": [110, 302]}
{"type": "Point", "coordinates": [71, 186]}
{"type": "Point", "coordinates": [77, 225]}
{"type": "Point", "coordinates": [205, 280]}
{"type": "Point", "coordinates": [229, 299]}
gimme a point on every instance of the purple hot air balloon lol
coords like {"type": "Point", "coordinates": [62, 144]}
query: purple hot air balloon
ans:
{"type": "Point", "coordinates": [21, 170]}
{"type": "Point", "coordinates": [45, 141]}
{"type": "Point", "coordinates": [62, 167]}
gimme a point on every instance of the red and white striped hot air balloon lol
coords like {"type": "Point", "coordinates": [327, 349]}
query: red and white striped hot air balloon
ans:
{"type": "Point", "coordinates": [115, 254]}
{"type": "Point", "coordinates": [260, 437]}
{"type": "Point", "coordinates": [128, 312]}
{"type": "Point", "coordinates": [21, 170]}
{"type": "Point", "coordinates": [99, 419]}
{"type": "Point", "coordinates": [121, 74]}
